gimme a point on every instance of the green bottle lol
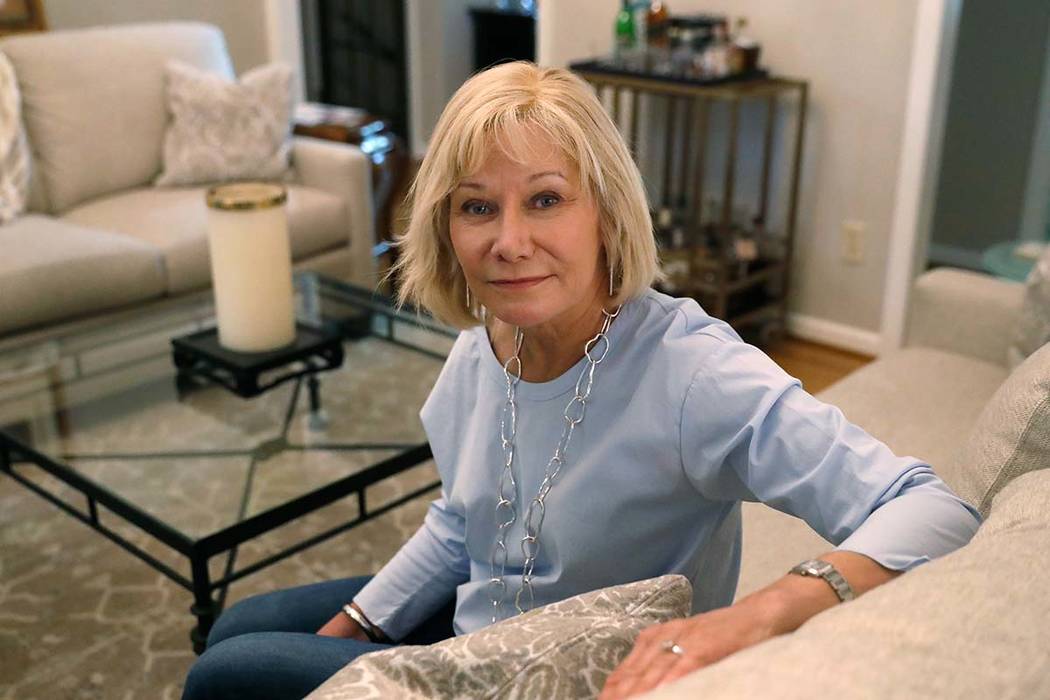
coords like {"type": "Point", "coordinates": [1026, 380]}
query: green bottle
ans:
{"type": "Point", "coordinates": [625, 34]}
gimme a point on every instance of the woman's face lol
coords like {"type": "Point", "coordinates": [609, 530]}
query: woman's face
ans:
{"type": "Point", "coordinates": [527, 237]}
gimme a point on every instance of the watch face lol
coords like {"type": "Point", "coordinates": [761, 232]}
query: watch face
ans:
{"type": "Point", "coordinates": [815, 567]}
{"type": "Point", "coordinates": [821, 567]}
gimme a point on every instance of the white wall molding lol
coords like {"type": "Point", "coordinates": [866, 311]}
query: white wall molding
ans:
{"type": "Point", "coordinates": [415, 22]}
{"type": "Point", "coordinates": [933, 47]}
{"type": "Point", "coordinates": [838, 335]}
{"type": "Point", "coordinates": [1035, 216]}
{"type": "Point", "coordinates": [284, 40]}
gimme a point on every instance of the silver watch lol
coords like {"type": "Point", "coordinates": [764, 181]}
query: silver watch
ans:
{"type": "Point", "coordinates": [823, 569]}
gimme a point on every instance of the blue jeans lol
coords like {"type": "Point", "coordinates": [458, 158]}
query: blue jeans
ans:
{"type": "Point", "coordinates": [266, 647]}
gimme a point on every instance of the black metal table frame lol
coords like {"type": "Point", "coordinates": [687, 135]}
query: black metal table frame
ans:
{"type": "Point", "coordinates": [206, 605]}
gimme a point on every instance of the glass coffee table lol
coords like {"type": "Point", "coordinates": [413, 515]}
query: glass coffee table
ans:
{"type": "Point", "coordinates": [179, 471]}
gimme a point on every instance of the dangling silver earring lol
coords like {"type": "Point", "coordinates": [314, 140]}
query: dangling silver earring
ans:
{"type": "Point", "coordinates": [468, 297]}
{"type": "Point", "coordinates": [611, 281]}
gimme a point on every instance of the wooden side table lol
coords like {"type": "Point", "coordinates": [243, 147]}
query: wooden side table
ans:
{"type": "Point", "coordinates": [372, 135]}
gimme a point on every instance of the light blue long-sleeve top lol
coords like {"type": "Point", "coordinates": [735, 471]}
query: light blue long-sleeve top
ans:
{"type": "Point", "coordinates": [685, 421]}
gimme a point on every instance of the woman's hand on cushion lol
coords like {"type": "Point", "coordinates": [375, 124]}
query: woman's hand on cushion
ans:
{"type": "Point", "coordinates": [703, 639]}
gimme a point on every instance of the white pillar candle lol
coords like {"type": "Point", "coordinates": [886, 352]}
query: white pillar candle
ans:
{"type": "Point", "coordinates": [251, 266]}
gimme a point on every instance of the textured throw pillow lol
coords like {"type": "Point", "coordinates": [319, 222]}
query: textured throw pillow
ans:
{"type": "Point", "coordinates": [563, 650]}
{"type": "Point", "coordinates": [226, 131]}
{"type": "Point", "coordinates": [1033, 325]}
{"type": "Point", "coordinates": [14, 150]}
{"type": "Point", "coordinates": [1012, 434]}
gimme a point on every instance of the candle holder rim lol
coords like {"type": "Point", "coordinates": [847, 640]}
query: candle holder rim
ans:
{"type": "Point", "coordinates": [241, 196]}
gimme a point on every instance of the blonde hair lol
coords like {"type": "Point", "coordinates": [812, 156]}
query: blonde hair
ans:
{"type": "Point", "coordinates": [491, 109]}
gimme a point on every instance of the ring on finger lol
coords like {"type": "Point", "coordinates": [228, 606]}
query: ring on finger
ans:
{"type": "Point", "coordinates": [672, 646]}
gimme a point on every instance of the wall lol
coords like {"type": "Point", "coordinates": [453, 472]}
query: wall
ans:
{"type": "Point", "coordinates": [993, 105]}
{"type": "Point", "coordinates": [256, 31]}
{"type": "Point", "coordinates": [440, 58]}
{"type": "Point", "coordinates": [856, 57]}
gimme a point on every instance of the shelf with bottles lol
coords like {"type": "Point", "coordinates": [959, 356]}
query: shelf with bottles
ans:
{"type": "Point", "coordinates": [695, 48]}
{"type": "Point", "coordinates": [711, 220]}
{"type": "Point", "coordinates": [712, 258]}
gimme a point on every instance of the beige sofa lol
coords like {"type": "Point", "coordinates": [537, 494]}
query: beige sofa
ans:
{"type": "Point", "coordinates": [973, 624]}
{"type": "Point", "coordinates": [98, 235]}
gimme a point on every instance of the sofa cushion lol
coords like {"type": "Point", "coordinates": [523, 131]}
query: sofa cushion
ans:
{"type": "Point", "coordinates": [94, 104]}
{"type": "Point", "coordinates": [972, 624]}
{"type": "Point", "coordinates": [563, 650]}
{"type": "Point", "coordinates": [1012, 434]}
{"type": "Point", "coordinates": [1033, 323]}
{"type": "Point", "coordinates": [919, 401]}
{"type": "Point", "coordinates": [175, 220]}
{"type": "Point", "coordinates": [14, 151]}
{"type": "Point", "coordinates": [52, 269]}
{"type": "Point", "coordinates": [222, 130]}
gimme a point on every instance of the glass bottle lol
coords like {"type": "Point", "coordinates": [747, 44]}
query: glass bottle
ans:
{"type": "Point", "coordinates": [624, 34]}
{"type": "Point", "coordinates": [656, 23]}
{"type": "Point", "coordinates": [715, 59]}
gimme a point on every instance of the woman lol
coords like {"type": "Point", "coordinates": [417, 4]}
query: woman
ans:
{"type": "Point", "coordinates": [588, 430]}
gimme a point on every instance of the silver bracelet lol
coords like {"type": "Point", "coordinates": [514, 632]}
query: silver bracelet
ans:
{"type": "Point", "coordinates": [366, 626]}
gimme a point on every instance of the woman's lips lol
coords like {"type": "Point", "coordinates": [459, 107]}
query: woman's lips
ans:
{"type": "Point", "coordinates": [523, 283]}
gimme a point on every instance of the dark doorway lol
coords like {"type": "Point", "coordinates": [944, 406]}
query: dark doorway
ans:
{"type": "Point", "coordinates": [355, 56]}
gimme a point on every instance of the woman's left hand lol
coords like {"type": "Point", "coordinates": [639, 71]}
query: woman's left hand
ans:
{"type": "Point", "coordinates": [703, 640]}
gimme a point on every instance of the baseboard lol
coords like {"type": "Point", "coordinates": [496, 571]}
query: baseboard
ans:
{"type": "Point", "coordinates": [837, 335]}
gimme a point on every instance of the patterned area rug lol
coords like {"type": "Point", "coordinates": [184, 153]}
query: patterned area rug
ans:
{"type": "Point", "coordinates": [81, 618]}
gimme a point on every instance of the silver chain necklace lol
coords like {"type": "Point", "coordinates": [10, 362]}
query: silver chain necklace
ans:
{"type": "Point", "coordinates": [595, 351]}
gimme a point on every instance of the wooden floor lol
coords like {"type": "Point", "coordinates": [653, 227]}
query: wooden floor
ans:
{"type": "Point", "coordinates": [818, 366]}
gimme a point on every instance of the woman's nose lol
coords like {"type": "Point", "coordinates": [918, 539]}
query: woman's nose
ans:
{"type": "Point", "coordinates": [513, 238]}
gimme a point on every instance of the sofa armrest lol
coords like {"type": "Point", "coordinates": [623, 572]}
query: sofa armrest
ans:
{"type": "Point", "coordinates": [342, 169]}
{"type": "Point", "coordinates": [969, 313]}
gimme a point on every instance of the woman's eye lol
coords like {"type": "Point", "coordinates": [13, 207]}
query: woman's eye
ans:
{"type": "Point", "coordinates": [546, 201]}
{"type": "Point", "coordinates": [476, 208]}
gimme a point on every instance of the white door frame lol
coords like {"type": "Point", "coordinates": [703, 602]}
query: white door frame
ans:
{"type": "Point", "coordinates": [1036, 212]}
{"type": "Point", "coordinates": [933, 49]}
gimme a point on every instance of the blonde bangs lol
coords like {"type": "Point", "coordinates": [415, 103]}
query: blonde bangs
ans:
{"type": "Point", "coordinates": [513, 108]}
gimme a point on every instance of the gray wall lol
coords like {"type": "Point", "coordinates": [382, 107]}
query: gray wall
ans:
{"type": "Point", "coordinates": [993, 105]}
{"type": "Point", "coordinates": [242, 21]}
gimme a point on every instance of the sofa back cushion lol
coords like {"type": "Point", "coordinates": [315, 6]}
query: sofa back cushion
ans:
{"type": "Point", "coordinates": [1033, 324]}
{"type": "Point", "coordinates": [94, 102]}
{"type": "Point", "coordinates": [1012, 434]}
{"type": "Point", "coordinates": [562, 650]}
{"type": "Point", "coordinates": [972, 624]}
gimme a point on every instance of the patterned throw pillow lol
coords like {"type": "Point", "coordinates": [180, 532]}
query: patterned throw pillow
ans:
{"type": "Point", "coordinates": [226, 131]}
{"type": "Point", "coordinates": [14, 150]}
{"type": "Point", "coordinates": [562, 650]}
{"type": "Point", "coordinates": [1033, 325]}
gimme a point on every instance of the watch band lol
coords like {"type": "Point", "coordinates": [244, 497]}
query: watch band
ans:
{"type": "Point", "coordinates": [360, 619]}
{"type": "Point", "coordinates": [825, 570]}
